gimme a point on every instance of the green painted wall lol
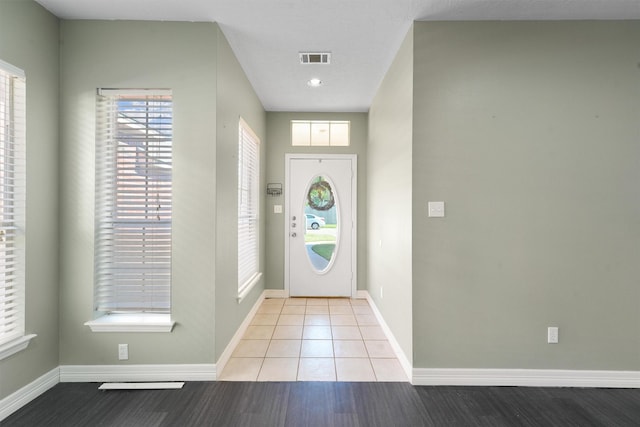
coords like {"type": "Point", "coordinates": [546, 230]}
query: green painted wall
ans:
{"type": "Point", "coordinates": [210, 94]}
{"type": "Point", "coordinates": [530, 132]}
{"type": "Point", "coordinates": [279, 138]}
{"type": "Point", "coordinates": [389, 201]}
{"type": "Point", "coordinates": [235, 98]}
{"type": "Point", "coordinates": [29, 40]}
{"type": "Point", "coordinates": [121, 54]}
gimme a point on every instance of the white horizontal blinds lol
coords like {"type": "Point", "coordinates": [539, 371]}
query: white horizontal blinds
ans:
{"type": "Point", "coordinates": [12, 201]}
{"type": "Point", "coordinates": [248, 205]}
{"type": "Point", "coordinates": [133, 201]}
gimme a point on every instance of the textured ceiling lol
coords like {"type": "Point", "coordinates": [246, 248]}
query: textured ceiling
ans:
{"type": "Point", "coordinates": [363, 36]}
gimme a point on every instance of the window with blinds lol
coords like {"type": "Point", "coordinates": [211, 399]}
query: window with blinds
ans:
{"type": "Point", "coordinates": [12, 201]}
{"type": "Point", "coordinates": [133, 201]}
{"type": "Point", "coordinates": [248, 207]}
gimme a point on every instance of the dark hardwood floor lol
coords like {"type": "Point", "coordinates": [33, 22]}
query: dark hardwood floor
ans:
{"type": "Point", "coordinates": [329, 404]}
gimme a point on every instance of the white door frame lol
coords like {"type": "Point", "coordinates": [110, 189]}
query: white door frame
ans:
{"type": "Point", "coordinates": [354, 214]}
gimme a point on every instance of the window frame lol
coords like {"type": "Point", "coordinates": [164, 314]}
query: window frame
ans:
{"type": "Point", "coordinates": [249, 273]}
{"type": "Point", "coordinates": [13, 337]}
{"type": "Point", "coordinates": [318, 133]}
{"type": "Point", "coordinates": [134, 147]}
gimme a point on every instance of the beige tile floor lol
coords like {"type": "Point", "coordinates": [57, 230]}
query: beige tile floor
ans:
{"type": "Point", "coordinates": [314, 339]}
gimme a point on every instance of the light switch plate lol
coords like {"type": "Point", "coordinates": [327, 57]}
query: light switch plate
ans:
{"type": "Point", "coordinates": [277, 208]}
{"type": "Point", "coordinates": [436, 209]}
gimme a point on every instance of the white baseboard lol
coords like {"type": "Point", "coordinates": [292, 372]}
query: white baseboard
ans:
{"type": "Point", "coordinates": [275, 293]}
{"type": "Point", "coordinates": [402, 358]}
{"type": "Point", "coordinates": [129, 373]}
{"type": "Point", "coordinates": [235, 340]}
{"type": "Point", "coordinates": [26, 394]}
{"type": "Point", "coordinates": [526, 378]}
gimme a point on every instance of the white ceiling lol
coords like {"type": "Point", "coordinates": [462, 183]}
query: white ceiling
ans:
{"type": "Point", "coordinates": [363, 36]}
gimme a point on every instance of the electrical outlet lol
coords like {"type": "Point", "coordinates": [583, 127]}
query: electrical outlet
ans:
{"type": "Point", "coordinates": [552, 335]}
{"type": "Point", "coordinates": [123, 351]}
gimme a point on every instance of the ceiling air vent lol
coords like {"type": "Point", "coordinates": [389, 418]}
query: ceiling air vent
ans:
{"type": "Point", "coordinates": [315, 57]}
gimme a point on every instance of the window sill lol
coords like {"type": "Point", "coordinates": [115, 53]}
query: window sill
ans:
{"type": "Point", "coordinates": [14, 346]}
{"type": "Point", "coordinates": [248, 287]}
{"type": "Point", "coordinates": [143, 322]}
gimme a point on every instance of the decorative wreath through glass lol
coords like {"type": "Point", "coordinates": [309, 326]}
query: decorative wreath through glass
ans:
{"type": "Point", "coordinates": [320, 195]}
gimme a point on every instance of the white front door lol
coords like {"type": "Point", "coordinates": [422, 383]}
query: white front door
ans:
{"type": "Point", "coordinates": [321, 225]}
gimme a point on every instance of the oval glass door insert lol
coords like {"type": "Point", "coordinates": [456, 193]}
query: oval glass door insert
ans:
{"type": "Point", "coordinates": [322, 229]}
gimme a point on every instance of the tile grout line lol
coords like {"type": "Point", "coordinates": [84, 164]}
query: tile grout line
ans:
{"type": "Point", "coordinates": [333, 348]}
{"type": "Point", "coordinates": [333, 338]}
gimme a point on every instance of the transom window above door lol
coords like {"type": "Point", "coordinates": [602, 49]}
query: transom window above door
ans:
{"type": "Point", "coordinates": [321, 133]}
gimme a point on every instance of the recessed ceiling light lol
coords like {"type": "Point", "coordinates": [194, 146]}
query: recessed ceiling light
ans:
{"type": "Point", "coordinates": [315, 82]}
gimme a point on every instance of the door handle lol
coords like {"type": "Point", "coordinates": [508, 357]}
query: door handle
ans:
{"type": "Point", "coordinates": [293, 234]}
